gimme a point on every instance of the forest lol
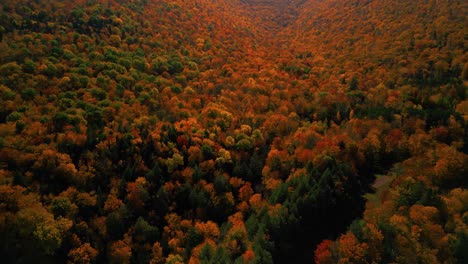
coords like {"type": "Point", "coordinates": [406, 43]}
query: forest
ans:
{"type": "Point", "coordinates": [233, 131]}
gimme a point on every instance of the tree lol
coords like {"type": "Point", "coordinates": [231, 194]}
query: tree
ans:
{"type": "Point", "coordinates": [157, 254]}
{"type": "Point", "coordinates": [353, 84]}
{"type": "Point", "coordinates": [351, 250]}
{"type": "Point", "coordinates": [119, 252]}
{"type": "Point", "coordinates": [61, 206]}
{"type": "Point", "coordinates": [461, 248]}
{"type": "Point", "coordinates": [323, 253]}
{"type": "Point", "coordinates": [143, 232]}
{"type": "Point", "coordinates": [137, 194]}
{"type": "Point", "coordinates": [84, 254]}
{"type": "Point", "coordinates": [115, 226]}
{"type": "Point", "coordinates": [35, 225]}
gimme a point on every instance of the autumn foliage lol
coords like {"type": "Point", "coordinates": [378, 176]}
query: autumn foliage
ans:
{"type": "Point", "coordinates": [241, 131]}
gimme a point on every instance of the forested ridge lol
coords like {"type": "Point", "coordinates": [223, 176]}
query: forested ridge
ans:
{"type": "Point", "coordinates": [240, 131]}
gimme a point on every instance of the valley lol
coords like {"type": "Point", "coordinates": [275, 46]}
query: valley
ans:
{"type": "Point", "coordinates": [243, 131]}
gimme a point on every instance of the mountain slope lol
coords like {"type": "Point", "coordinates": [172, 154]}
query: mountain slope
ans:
{"type": "Point", "coordinates": [408, 61]}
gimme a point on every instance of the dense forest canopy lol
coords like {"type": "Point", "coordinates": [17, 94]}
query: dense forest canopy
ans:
{"type": "Point", "coordinates": [233, 131]}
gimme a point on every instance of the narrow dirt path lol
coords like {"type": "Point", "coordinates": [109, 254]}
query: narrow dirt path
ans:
{"type": "Point", "coordinates": [382, 180]}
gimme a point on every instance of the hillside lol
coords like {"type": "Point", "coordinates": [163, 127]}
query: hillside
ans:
{"type": "Point", "coordinates": [240, 131]}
